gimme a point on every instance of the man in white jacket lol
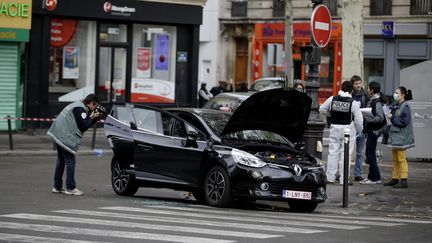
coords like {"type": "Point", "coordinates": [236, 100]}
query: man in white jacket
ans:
{"type": "Point", "coordinates": [343, 113]}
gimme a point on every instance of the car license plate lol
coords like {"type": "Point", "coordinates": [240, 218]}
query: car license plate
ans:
{"type": "Point", "coordinates": [297, 194]}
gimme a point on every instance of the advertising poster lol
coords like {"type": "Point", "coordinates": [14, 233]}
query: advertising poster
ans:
{"type": "Point", "coordinates": [152, 90]}
{"type": "Point", "coordinates": [162, 52]}
{"type": "Point", "coordinates": [144, 62]}
{"type": "Point", "coordinates": [70, 62]}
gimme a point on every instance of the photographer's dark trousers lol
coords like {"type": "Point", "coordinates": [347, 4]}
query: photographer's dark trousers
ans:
{"type": "Point", "coordinates": [371, 143]}
{"type": "Point", "coordinates": [64, 159]}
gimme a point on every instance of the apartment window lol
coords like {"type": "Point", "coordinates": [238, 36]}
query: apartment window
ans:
{"type": "Point", "coordinates": [332, 6]}
{"type": "Point", "coordinates": [278, 8]}
{"type": "Point", "coordinates": [380, 7]}
{"type": "Point", "coordinates": [239, 9]}
{"type": "Point", "coordinates": [420, 7]}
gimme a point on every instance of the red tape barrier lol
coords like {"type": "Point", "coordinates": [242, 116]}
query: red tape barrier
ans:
{"type": "Point", "coordinates": [35, 119]}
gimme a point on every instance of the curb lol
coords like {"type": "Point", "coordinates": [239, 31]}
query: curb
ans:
{"type": "Point", "coordinates": [97, 152]}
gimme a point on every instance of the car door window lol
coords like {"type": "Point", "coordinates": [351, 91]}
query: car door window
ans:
{"type": "Point", "coordinates": [179, 129]}
{"type": "Point", "coordinates": [146, 119]}
{"type": "Point", "coordinates": [122, 115]}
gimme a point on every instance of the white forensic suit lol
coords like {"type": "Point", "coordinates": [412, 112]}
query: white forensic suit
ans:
{"type": "Point", "coordinates": [343, 113]}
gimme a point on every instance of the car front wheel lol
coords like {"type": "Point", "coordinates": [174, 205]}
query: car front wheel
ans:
{"type": "Point", "coordinates": [302, 206]}
{"type": "Point", "coordinates": [123, 183]}
{"type": "Point", "coordinates": [217, 188]}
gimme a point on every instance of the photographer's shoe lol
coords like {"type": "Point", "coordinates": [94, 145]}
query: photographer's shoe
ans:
{"type": "Point", "coordinates": [75, 192]}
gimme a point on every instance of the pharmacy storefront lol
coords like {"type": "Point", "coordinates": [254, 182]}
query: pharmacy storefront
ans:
{"type": "Point", "coordinates": [15, 23]}
{"type": "Point", "coordinates": [124, 51]}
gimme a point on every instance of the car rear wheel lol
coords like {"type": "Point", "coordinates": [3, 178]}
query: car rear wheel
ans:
{"type": "Point", "coordinates": [217, 188]}
{"type": "Point", "coordinates": [123, 183]}
{"type": "Point", "coordinates": [302, 206]}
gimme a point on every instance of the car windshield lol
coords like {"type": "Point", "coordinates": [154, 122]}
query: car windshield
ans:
{"type": "Point", "coordinates": [217, 122]}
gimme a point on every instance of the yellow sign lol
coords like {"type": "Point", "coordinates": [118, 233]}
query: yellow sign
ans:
{"type": "Point", "coordinates": [15, 14]}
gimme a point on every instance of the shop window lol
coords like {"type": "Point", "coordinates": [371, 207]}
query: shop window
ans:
{"type": "Point", "coordinates": [326, 72]}
{"type": "Point", "coordinates": [374, 72]}
{"type": "Point", "coordinates": [420, 7]}
{"type": "Point", "coordinates": [409, 63]}
{"type": "Point", "coordinates": [72, 59]}
{"type": "Point", "coordinates": [380, 7]}
{"type": "Point", "coordinates": [154, 63]}
{"type": "Point", "coordinates": [113, 32]}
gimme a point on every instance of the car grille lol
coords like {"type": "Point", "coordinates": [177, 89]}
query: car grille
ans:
{"type": "Point", "coordinates": [276, 188]}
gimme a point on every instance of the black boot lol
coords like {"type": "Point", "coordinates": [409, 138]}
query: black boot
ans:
{"type": "Point", "coordinates": [403, 183]}
{"type": "Point", "coordinates": [392, 182]}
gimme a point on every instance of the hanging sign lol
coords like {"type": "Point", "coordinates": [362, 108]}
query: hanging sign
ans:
{"type": "Point", "coordinates": [143, 62]}
{"type": "Point", "coordinates": [70, 62]}
{"type": "Point", "coordinates": [162, 52]}
{"type": "Point", "coordinates": [62, 31]}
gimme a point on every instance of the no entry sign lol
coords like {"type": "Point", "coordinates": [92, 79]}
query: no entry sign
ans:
{"type": "Point", "coordinates": [321, 25]}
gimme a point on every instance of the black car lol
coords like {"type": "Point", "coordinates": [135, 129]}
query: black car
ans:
{"type": "Point", "coordinates": [221, 157]}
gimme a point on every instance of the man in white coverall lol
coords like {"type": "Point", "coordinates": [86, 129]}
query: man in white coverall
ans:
{"type": "Point", "coordinates": [343, 113]}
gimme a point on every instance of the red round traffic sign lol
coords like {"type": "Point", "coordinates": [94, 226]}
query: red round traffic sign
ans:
{"type": "Point", "coordinates": [321, 25]}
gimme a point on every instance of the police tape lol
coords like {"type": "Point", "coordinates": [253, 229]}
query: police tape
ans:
{"type": "Point", "coordinates": [34, 119]}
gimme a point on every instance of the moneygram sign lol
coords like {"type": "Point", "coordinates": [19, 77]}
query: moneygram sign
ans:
{"type": "Point", "coordinates": [118, 10]}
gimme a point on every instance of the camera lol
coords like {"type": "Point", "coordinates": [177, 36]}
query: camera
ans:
{"type": "Point", "coordinates": [100, 109]}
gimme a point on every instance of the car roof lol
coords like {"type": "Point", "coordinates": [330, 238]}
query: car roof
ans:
{"type": "Point", "coordinates": [238, 95]}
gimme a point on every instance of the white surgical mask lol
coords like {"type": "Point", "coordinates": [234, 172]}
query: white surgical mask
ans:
{"type": "Point", "coordinates": [396, 97]}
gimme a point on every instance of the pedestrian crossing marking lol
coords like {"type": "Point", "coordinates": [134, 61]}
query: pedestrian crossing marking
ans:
{"type": "Point", "coordinates": [241, 219]}
{"type": "Point", "coordinates": [357, 221]}
{"type": "Point", "coordinates": [189, 221]}
{"type": "Point", "coordinates": [108, 233]}
{"type": "Point", "coordinates": [38, 239]}
{"type": "Point", "coordinates": [139, 225]}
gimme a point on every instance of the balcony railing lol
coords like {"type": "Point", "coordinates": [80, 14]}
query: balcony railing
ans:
{"type": "Point", "coordinates": [278, 8]}
{"type": "Point", "coordinates": [421, 7]}
{"type": "Point", "coordinates": [332, 6]}
{"type": "Point", "coordinates": [239, 9]}
{"type": "Point", "coordinates": [380, 7]}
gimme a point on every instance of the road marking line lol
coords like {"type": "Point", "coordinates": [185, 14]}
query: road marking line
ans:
{"type": "Point", "coordinates": [190, 221]}
{"type": "Point", "coordinates": [38, 239]}
{"type": "Point", "coordinates": [106, 233]}
{"type": "Point", "coordinates": [243, 219]}
{"type": "Point", "coordinates": [139, 225]}
{"type": "Point", "coordinates": [281, 216]}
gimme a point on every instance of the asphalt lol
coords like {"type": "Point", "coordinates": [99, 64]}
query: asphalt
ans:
{"type": "Point", "coordinates": [413, 202]}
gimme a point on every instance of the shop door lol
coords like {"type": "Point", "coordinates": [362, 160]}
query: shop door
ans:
{"type": "Point", "coordinates": [112, 74]}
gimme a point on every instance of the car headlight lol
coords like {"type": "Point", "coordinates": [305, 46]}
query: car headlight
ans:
{"type": "Point", "coordinates": [246, 158]}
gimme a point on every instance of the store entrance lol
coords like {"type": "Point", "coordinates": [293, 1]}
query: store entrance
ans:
{"type": "Point", "coordinates": [112, 74]}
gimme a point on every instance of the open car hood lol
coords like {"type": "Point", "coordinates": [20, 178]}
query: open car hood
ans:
{"type": "Point", "coordinates": [284, 112]}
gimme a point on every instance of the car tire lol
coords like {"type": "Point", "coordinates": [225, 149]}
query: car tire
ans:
{"type": "Point", "coordinates": [302, 206]}
{"type": "Point", "coordinates": [217, 188]}
{"type": "Point", "coordinates": [123, 183]}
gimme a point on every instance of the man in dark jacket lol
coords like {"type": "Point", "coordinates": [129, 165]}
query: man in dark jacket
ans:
{"type": "Point", "coordinates": [67, 131]}
{"type": "Point", "coordinates": [374, 124]}
{"type": "Point", "coordinates": [361, 97]}
{"type": "Point", "coordinates": [219, 89]}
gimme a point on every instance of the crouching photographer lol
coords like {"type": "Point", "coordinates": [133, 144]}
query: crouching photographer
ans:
{"type": "Point", "coordinates": [67, 131]}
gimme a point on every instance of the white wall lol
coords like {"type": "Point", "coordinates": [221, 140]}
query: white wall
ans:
{"type": "Point", "coordinates": [208, 52]}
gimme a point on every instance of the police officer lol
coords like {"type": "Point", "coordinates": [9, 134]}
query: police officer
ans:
{"type": "Point", "coordinates": [343, 113]}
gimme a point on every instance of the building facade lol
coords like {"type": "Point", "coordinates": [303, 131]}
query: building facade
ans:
{"type": "Point", "coordinates": [124, 51]}
{"type": "Point", "coordinates": [397, 34]}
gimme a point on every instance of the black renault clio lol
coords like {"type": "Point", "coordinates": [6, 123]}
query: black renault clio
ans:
{"type": "Point", "coordinates": [221, 157]}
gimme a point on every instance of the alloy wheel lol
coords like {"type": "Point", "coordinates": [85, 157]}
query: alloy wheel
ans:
{"type": "Point", "coordinates": [215, 186]}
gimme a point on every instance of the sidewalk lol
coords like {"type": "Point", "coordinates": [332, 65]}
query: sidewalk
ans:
{"type": "Point", "coordinates": [37, 142]}
{"type": "Point", "coordinates": [414, 202]}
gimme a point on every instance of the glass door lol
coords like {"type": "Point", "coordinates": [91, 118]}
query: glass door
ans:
{"type": "Point", "coordinates": [112, 74]}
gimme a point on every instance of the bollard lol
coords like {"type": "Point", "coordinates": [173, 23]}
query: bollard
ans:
{"type": "Point", "coordinates": [346, 167]}
{"type": "Point", "coordinates": [10, 131]}
{"type": "Point", "coordinates": [93, 143]}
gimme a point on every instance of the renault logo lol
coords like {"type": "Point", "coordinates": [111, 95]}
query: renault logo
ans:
{"type": "Point", "coordinates": [297, 170]}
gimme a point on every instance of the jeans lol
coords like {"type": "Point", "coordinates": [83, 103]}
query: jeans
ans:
{"type": "Point", "coordinates": [371, 143]}
{"type": "Point", "coordinates": [360, 154]}
{"type": "Point", "coordinates": [64, 158]}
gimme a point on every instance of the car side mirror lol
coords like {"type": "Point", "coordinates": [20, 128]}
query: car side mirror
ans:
{"type": "Point", "coordinates": [191, 139]}
{"type": "Point", "coordinates": [133, 126]}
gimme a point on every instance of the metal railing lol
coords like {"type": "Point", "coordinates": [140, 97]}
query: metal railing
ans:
{"type": "Point", "coordinates": [420, 7]}
{"type": "Point", "coordinates": [380, 7]}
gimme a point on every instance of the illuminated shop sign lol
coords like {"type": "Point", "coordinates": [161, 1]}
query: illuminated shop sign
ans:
{"type": "Point", "coordinates": [15, 14]}
{"type": "Point", "coordinates": [118, 10]}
